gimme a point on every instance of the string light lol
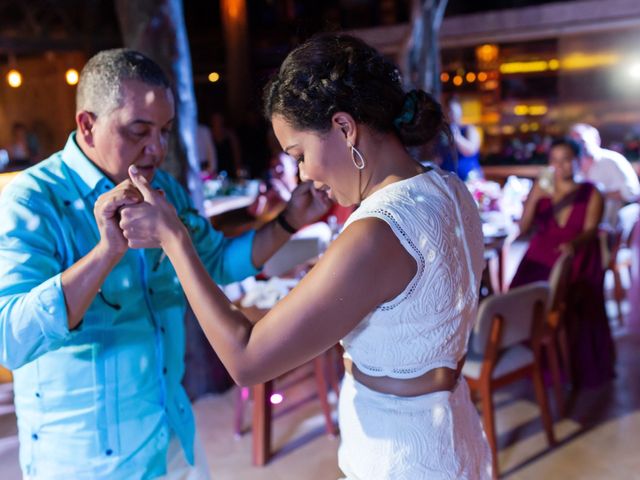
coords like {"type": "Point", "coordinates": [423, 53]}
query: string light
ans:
{"type": "Point", "coordinates": [457, 80]}
{"type": "Point", "coordinates": [72, 76]}
{"type": "Point", "coordinates": [14, 78]}
{"type": "Point", "coordinates": [214, 77]}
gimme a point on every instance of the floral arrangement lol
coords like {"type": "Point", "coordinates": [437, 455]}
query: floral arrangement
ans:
{"type": "Point", "coordinates": [486, 194]}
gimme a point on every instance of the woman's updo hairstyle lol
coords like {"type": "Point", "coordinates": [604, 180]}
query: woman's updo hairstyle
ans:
{"type": "Point", "coordinates": [332, 73]}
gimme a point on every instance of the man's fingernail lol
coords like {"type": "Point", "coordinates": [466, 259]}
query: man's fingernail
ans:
{"type": "Point", "coordinates": [133, 169]}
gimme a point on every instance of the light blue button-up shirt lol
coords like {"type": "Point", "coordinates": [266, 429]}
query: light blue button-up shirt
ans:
{"type": "Point", "coordinates": [99, 401]}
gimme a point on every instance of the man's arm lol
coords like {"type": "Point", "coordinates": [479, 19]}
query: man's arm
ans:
{"type": "Point", "coordinates": [233, 259]}
{"type": "Point", "coordinates": [39, 303]}
{"type": "Point", "coordinates": [306, 206]}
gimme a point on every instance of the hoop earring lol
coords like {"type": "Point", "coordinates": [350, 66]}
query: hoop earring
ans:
{"type": "Point", "coordinates": [356, 153]}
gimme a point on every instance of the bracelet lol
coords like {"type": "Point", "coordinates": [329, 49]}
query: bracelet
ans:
{"type": "Point", "coordinates": [284, 224]}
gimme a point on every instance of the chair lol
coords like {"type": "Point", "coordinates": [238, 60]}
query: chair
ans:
{"type": "Point", "coordinates": [505, 347]}
{"type": "Point", "coordinates": [555, 335]}
{"type": "Point", "coordinates": [620, 256]}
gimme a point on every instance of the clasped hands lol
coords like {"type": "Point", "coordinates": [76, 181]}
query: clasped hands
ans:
{"type": "Point", "coordinates": [135, 215]}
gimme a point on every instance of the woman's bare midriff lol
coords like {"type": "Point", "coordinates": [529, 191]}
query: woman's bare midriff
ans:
{"type": "Point", "coordinates": [436, 380]}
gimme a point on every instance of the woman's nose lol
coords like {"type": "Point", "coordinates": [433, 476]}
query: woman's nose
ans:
{"type": "Point", "coordinates": [303, 175]}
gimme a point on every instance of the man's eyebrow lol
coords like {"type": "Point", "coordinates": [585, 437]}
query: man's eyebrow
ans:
{"type": "Point", "coordinates": [149, 122]}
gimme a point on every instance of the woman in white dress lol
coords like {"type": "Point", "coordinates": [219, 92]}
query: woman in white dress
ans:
{"type": "Point", "coordinates": [399, 286]}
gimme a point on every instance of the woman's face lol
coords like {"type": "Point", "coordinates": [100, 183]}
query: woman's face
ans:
{"type": "Point", "coordinates": [323, 158]}
{"type": "Point", "coordinates": [563, 161]}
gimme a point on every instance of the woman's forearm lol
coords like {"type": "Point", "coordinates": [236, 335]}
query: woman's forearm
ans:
{"type": "Point", "coordinates": [226, 328]}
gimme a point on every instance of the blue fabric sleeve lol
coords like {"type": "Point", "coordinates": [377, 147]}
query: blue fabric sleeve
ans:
{"type": "Point", "coordinates": [33, 314]}
{"type": "Point", "coordinates": [227, 259]}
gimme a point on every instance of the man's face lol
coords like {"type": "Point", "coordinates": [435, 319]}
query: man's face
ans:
{"type": "Point", "coordinates": [136, 133]}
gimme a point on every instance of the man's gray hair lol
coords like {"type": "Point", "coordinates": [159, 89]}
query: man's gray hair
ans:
{"type": "Point", "coordinates": [99, 88]}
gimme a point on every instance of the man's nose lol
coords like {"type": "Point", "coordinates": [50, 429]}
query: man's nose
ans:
{"type": "Point", "coordinates": [157, 144]}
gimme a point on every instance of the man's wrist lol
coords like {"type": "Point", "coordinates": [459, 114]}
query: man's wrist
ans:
{"type": "Point", "coordinates": [285, 224]}
{"type": "Point", "coordinates": [105, 253]}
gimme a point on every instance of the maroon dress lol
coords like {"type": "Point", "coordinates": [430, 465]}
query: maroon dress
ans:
{"type": "Point", "coordinates": [591, 345]}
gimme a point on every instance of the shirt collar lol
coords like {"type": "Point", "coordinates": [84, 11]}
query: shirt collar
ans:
{"type": "Point", "coordinates": [86, 175]}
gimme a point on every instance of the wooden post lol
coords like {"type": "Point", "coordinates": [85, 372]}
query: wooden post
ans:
{"type": "Point", "coordinates": [236, 37]}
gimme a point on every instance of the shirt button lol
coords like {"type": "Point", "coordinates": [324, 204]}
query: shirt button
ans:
{"type": "Point", "coordinates": [164, 370]}
{"type": "Point", "coordinates": [34, 436]}
{"type": "Point", "coordinates": [150, 291]}
{"type": "Point", "coordinates": [38, 394]}
{"type": "Point", "coordinates": [109, 452]}
{"type": "Point", "coordinates": [162, 329]}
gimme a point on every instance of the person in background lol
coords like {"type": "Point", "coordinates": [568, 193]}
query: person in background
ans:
{"type": "Point", "coordinates": [399, 285]}
{"type": "Point", "coordinates": [206, 151]}
{"type": "Point", "coordinates": [563, 215]}
{"type": "Point", "coordinates": [23, 149]}
{"type": "Point", "coordinates": [466, 139]}
{"type": "Point", "coordinates": [609, 170]}
{"type": "Point", "coordinates": [227, 147]}
{"type": "Point", "coordinates": [94, 331]}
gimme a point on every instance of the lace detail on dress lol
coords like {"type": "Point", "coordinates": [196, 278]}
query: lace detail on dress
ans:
{"type": "Point", "coordinates": [427, 325]}
{"type": "Point", "coordinates": [416, 253]}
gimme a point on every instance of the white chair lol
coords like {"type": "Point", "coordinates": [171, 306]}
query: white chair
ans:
{"type": "Point", "coordinates": [505, 347]}
{"type": "Point", "coordinates": [620, 258]}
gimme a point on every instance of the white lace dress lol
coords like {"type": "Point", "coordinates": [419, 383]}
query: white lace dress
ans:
{"type": "Point", "coordinates": [438, 435]}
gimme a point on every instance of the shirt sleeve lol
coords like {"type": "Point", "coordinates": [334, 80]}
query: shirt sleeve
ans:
{"type": "Point", "coordinates": [227, 259]}
{"type": "Point", "coordinates": [33, 314]}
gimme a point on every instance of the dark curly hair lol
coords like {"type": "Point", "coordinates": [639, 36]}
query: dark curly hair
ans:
{"type": "Point", "coordinates": [574, 146]}
{"type": "Point", "coordinates": [332, 73]}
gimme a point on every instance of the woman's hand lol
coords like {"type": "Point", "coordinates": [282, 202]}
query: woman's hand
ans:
{"type": "Point", "coordinates": [151, 223]}
{"type": "Point", "coordinates": [567, 247]}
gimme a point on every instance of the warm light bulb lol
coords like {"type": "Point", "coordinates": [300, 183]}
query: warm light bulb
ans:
{"type": "Point", "coordinates": [471, 77]}
{"type": "Point", "coordinates": [72, 76]}
{"type": "Point", "coordinates": [214, 77]}
{"type": "Point", "coordinates": [444, 77]}
{"type": "Point", "coordinates": [457, 80]}
{"type": "Point", "coordinates": [482, 76]}
{"type": "Point", "coordinates": [14, 78]}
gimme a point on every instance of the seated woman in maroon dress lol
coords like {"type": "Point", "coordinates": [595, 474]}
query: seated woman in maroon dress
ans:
{"type": "Point", "coordinates": [564, 216]}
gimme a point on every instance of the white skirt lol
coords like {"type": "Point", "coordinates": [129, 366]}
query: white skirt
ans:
{"type": "Point", "coordinates": [434, 436]}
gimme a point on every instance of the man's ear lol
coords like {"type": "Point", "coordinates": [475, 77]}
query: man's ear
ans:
{"type": "Point", "coordinates": [85, 122]}
{"type": "Point", "coordinates": [346, 124]}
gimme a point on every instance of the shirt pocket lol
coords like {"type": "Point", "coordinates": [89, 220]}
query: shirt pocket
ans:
{"type": "Point", "coordinates": [70, 397]}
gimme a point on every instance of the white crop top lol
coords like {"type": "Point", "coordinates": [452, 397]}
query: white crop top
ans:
{"type": "Point", "coordinates": [428, 325]}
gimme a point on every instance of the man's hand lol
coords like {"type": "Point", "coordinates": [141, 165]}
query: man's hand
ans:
{"type": "Point", "coordinates": [106, 212]}
{"type": "Point", "coordinates": [150, 223]}
{"type": "Point", "coordinates": [307, 205]}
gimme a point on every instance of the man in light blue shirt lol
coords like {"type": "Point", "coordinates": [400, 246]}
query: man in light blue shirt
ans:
{"type": "Point", "coordinates": [94, 331]}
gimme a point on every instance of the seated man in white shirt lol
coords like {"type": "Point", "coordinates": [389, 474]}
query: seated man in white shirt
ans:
{"type": "Point", "coordinates": [613, 173]}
